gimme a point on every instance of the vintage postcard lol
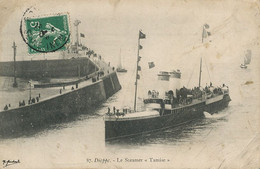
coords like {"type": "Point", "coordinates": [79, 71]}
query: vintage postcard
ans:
{"type": "Point", "coordinates": [129, 84]}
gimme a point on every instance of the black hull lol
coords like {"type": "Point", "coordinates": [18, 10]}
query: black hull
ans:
{"type": "Point", "coordinates": [120, 128]}
{"type": "Point", "coordinates": [218, 106]}
{"type": "Point", "coordinates": [54, 110]}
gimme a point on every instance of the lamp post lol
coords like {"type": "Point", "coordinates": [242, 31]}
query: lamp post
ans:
{"type": "Point", "coordinates": [14, 47]}
{"type": "Point", "coordinates": [30, 91]}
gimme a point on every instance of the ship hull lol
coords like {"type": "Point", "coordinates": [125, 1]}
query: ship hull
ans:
{"type": "Point", "coordinates": [120, 70]}
{"type": "Point", "coordinates": [65, 106]}
{"type": "Point", "coordinates": [121, 128]}
{"type": "Point", "coordinates": [219, 105]}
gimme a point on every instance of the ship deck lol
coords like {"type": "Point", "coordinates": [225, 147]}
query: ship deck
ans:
{"type": "Point", "coordinates": [154, 113]}
{"type": "Point", "coordinates": [134, 115]}
{"type": "Point", "coordinates": [194, 101]}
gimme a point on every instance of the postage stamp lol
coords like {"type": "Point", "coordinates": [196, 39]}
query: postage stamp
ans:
{"type": "Point", "coordinates": [47, 34]}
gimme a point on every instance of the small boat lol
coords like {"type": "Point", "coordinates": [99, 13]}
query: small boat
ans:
{"type": "Point", "coordinates": [122, 70]}
{"type": "Point", "coordinates": [247, 59]}
{"type": "Point", "coordinates": [119, 66]}
{"type": "Point", "coordinates": [172, 107]}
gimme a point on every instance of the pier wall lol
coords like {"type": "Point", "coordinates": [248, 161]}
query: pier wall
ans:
{"type": "Point", "coordinates": [79, 101]}
{"type": "Point", "coordinates": [111, 84]}
{"type": "Point", "coordinates": [59, 68]}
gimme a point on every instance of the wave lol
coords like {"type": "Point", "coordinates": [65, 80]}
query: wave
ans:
{"type": "Point", "coordinates": [216, 115]}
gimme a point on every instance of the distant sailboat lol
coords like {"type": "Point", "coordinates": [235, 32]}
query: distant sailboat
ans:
{"type": "Point", "coordinates": [119, 67]}
{"type": "Point", "coordinates": [247, 59]}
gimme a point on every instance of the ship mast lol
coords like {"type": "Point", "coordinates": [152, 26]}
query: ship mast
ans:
{"type": "Point", "coordinates": [136, 77]}
{"type": "Point", "coordinates": [205, 34]}
{"type": "Point", "coordinates": [14, 47]}
{"type": "Point", "coordinates": [138, 68]}
{"type": "Point", "coordinates": [200, 71]}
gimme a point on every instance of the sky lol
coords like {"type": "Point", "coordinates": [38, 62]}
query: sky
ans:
{"type": "Point", "coordinates": [173, 30]}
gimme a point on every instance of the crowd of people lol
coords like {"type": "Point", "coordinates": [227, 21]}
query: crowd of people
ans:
{"type": "Point", "coordinates": [153, 94]}
{"type": "Point", "coordinates": [116, 112]}
{"type": "Point", "coordinates": [31, 100]}
{"type": "Point", "coordinates": [22, 103]}
{"type": "Point", "coordinates": [185, 95]}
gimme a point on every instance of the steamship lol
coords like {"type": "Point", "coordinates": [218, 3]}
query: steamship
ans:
{"type": "Point", "coordinates": [172, 106]}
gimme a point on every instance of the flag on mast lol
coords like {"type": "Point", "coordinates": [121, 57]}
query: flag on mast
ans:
{"type": "Point", "coordinates": [205, 33]}
{"type": "Point", "coordinates": [206, 26]}
{"type": "Point", "coordinates": [139, 58]}
{"type": "Point", "coordinates": [141, 35]}
{"type": "Point", "coordinates": [82, 35]}
{"type": "Point", "coordinates": [151, 65]}
{"type": "Point", "coordinates": [139, 68]}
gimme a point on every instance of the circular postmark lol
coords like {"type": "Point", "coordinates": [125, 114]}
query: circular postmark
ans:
{"type": "Point", "coordinates": [46, 33]}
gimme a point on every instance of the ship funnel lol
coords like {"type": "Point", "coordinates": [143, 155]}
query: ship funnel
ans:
{"type": "Point", "coordinates": [163, 83]}
{"type": "Point", "coordinates": [174, 80]}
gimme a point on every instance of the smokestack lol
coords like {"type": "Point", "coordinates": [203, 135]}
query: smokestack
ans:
{"type": "Point", "coordinates": [175, 81]}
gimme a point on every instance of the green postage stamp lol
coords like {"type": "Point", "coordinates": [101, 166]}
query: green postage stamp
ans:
{"type": "Point", "coordinates": [47, 34]}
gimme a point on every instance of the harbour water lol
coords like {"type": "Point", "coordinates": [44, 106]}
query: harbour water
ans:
{"type": "Point", "coordinates": [227, 139]}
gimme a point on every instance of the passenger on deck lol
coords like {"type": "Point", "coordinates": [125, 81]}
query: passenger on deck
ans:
{"type": "Point", "coordinates": [60, 92]}
{"type": "Point", "coordinates": [37, 99]}
{"type": "Point", "coordinates": [33, 100]}
{"type": "Point", "coordinates": [77, 85]}
{"type": "Point", "coordinates": [39, 95]}
{"type": "Point", "coordinates": [72, 88]}
{"type": "Point", "coordinates": [114, 110]}
{"type": "Point", "coordinates": [9, 105]}
{"type": "Point", "coordinates": [108, 110]}
{"type": "Point", "coordinates": [93, 79]}
{"type": "Point", "coordinates": [6, 107]}
{"type": "Point", "coordinates": [23, 103]}
{"type": "Point", "coordinates": [20, 104]}
{"type": "Point", "coordinates": [162, 108]}
{"type": "Point", "coordinates": [119, 114]}
{"type": "Point", "coordinates": [102, 73]}
{"type": "Point", "coordinates": [63, 87]}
